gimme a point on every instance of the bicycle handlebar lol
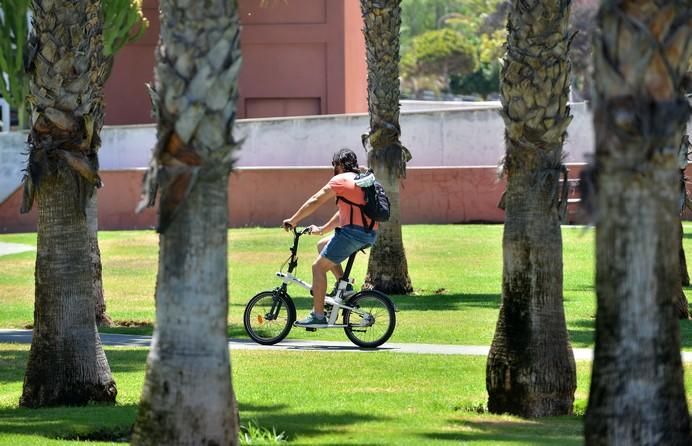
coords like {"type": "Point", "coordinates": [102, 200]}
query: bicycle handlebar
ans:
{"type": "Point", "coordinates": [305, 230]}
{"type": "Point", "coordinates": [298, 233]}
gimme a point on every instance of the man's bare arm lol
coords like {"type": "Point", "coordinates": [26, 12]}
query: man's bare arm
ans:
{"type": "Point", "coordinates": [330, 225]}
{"type": "Point", "coordinates": [310, 206]}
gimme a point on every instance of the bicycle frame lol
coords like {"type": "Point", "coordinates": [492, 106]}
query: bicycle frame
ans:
{"type": "Point", "coordinates": [335, 303]}
{"type": "Point", "coordinates": [356, 314]}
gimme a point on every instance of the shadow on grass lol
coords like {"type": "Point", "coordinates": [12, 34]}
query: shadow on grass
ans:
{"type": "Point", "coordinates": [141, 328]}
{"type": "Point", "coordinates": [94, 422]}
{"type": "Point", "coordinates": [308, 424]}
{"type": "Point", "coordinates": [114, 423]}
{"type": "Point", "coordinates": [446, 302]}
{"type": "Point", "coordinates": [234, 330]}
{"type": "Point", "coordinates": [13, 362]}
{"type": "Point", "coordinates": [12, 365]}
{"type": "Point", "coordinates": [564, 431]}
{"type": "Point", "coordinates": [578, 288]}
{"type": "Point", "coordinates": [249, 407]}
{"type": "Point", "coordinates": [582, 332]}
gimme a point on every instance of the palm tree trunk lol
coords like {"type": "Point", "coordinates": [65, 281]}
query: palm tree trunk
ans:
{"type": "Point", "coordinates": [637, 391]}
{"type": "Point", "coordinates": [530, 370]}
{"type": "Point", "coordinates": [67, 364]}
{"type": "Point", "coordinates": [102, 318]}
{"type": "Point", "coordinates": [188, 396]}
{"type": "Point", "coordinates": [387, 266]}
{"type": "Point", "coordinates": [187, 393]}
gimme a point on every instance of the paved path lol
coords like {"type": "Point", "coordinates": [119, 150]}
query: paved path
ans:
{"type": "Point", "coordinates": [14, 248]}
{"type": "Point", "coordinates": [24, 336]}
{"type": "Point", "coordinates": [125, 340]}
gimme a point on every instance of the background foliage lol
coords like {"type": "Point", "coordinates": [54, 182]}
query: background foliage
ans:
{"type": "Point", "coordinates": [123, 23]}
{"type": "Point", "coordinates": [479, 34]}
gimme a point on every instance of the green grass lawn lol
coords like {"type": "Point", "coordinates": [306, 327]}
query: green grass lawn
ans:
{"type": "Point", "coordinates": [314, 397]}
{"type": "Point", "coordinates": [455, 269]}
{"type": "Point", "coordinates": [322, 397]}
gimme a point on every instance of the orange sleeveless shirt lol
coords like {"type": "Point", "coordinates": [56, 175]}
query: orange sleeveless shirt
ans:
{"type": "Point", "coordinates": [344, 186]}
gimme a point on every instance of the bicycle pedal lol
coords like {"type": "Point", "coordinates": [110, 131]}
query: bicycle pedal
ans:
{"type": "Point", "coordinates": [310, 329]}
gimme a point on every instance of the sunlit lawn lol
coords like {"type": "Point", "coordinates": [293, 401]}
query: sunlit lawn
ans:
{"type": "Point", "coordinates": [314, 397]}
{"type": "Point", "coordinates": [455, 269]}
{"type": "Point", "coordinates": [375, 398]}
{"type": "Point", "coordinates": [322, 397]}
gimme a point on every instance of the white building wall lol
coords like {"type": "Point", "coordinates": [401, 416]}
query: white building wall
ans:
{"type": "Point", "coordinates": [444, 137]}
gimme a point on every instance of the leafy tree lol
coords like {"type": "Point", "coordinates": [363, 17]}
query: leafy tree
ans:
{"type": "Point", "coordinates": [188, 397]}
{"type": "Point", "coordinates": [478, 43]}
{"type": "Point", "coordinates": [530, 370]}
{"type": "Point", "coordinates": [67, 365]}
{"type": "Point", "coordinates": [14, 29]}
{"type": "Point", "coordinates": [486, 79]}
{"type": "Point", "coordinates": [387, 267]}
{"type": "Point", "coordinates": [641, 51]}
{"type": "Point", "coordinates": [123, 23]}
{"type": "Point", "coordinates": [482, 82]}
{"type": "Point", "coordinates": [437, 54]}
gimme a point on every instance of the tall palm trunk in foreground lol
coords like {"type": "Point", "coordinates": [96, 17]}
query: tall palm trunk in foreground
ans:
{"type": "Point", "coordinates": [123, 22]}
{"type": "Point", "coordinates": [387, 267]}
{"type": "Point", "coordinates": [637, 393]}
{"type": "Point", "coordinates": [188, 396]}
{"type": "Point", "coordinates": [67, 364]}
{"type": "Point", "coordinates": [530, 370]}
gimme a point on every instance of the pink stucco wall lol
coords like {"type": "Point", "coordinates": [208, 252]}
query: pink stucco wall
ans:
{"type": "Point", "coordinates": [265, 196]}
{"type": "Point", "coordinates": [301, 57]}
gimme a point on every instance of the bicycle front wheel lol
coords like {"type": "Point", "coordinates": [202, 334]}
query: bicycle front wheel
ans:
{"type": "Point", "coordinates": [269, 317]}
{"type": "Point", "coordinates": [372, 321]}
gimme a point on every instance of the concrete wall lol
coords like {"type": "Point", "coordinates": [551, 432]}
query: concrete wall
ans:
{"type": "Point", "coordinates": [455, 137]}
{"type": "Point", "coordinates": [467, 136]}
{"type": "Point", "coordinates": [438, 138]}
{"type": "Point", "coordinates": [451, 179]}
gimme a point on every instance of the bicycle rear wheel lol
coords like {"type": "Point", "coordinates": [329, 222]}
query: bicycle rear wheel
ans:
{"type": "Point", "coordinates": [373, 321]}
{"type": "Point", "coordinates": [268, 317]}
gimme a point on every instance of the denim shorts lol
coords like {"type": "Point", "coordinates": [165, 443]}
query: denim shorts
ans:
{"type": "Point", "coordinates": [347, 240]}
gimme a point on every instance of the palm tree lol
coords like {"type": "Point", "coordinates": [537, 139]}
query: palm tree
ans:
{"type": "Point", "coordinates": [387, 267]}
{"type": "Point", "coordinates": [123, 22]}
{"type": "Point", "coordinates": [637, 391]}
{"type": "Point", "coordinates": [530, 370]}
{"type": "Point", "coordinates": [188, 397]}
{"type": "Point", "coordinates": [66, 364]}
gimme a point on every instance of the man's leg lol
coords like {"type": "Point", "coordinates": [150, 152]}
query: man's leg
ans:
{"type": "Point", "coordinates": [338, 271]}
{"type": "Point", "coordinates": [319, 282]}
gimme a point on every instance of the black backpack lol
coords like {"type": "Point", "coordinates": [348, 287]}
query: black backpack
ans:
{"type": "Point", "coordinates": [376, 207]}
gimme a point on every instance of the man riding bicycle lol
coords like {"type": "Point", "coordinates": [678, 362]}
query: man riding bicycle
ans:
{"type": "Point", "coordinates": [351, 229]}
